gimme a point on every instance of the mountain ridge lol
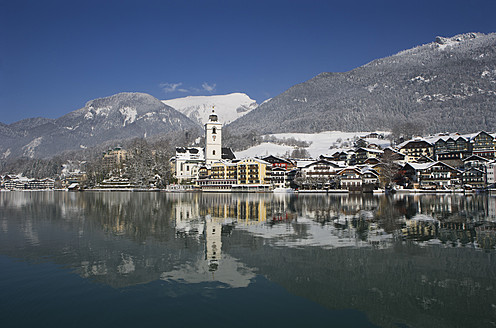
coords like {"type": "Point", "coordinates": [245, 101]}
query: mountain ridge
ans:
{"type": "Point", "coordinates": [445, 85]}
{"type": "Point", "coordinates": [118, 117]}
{"type": "Point", "coordinates": [228, 107]}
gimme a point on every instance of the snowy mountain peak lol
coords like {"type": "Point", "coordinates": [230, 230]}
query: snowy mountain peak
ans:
{"type": "Point", "coordinates": [457, 38]}
{"type": "Point", "coordinates": [228, 107]}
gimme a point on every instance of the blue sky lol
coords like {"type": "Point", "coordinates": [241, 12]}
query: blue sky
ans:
{"type": "Point", "coordinates": [57, 55]}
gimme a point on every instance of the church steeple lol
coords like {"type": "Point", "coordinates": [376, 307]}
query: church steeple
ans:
{"type": "Point", "coordinates": [213, 117]}
{"type": "Point", "coordinates": [213, 139]}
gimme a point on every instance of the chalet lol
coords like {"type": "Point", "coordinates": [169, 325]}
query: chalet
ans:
{"type": "Point", "coordinates": [483, 144]}
{"type": "Point", "coordinates": [374, 146]}
{"type": "Point", "coordinates": [362, 154]}
{"type": "Point", "coordinates": [452, 149]}
{"type": "Point", "coordinates": [450, 144]}
{"type": "Point", "coordinates": [475, 161]}
{"type": "Point", "coordinates": [370, 177]}
{"type": "Point", "coordinates": [416, 148]}
{"type": "Point", "coordinates": [439, 174]}
{"type": "Point", "coordinates": [374, 135]}
{"type": "Point", "coordinates": [279, 162]}
{"type": "Point", "coordinates": [434, 174]}
{"type": "Point", "coordinates": [393, 154]}
{"type": "Point", "coordinates": [350, 178]}
{"type": "Point", "coordinates": [372, 161]}
{"type": "Point", "coordinates": [474, 177]}
{"type": "Point", "coordinates": [343, 157]}
{"type": "Point", "coordinates": [321, 169]}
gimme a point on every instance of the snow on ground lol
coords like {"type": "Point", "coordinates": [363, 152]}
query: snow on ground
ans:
{"type": "Point", "coordinates": [323, 143]}
{"type": "Point", "coordinates": [264, 149]}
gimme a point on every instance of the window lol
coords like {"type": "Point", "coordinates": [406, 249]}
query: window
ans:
{"type": "Point", "coordinates": [213, 152]}
{"type": "Point", "coordinates": [214, 130]}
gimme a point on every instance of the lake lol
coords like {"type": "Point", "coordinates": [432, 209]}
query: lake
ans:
{"type": "Point", "coordinates": [151, 259]}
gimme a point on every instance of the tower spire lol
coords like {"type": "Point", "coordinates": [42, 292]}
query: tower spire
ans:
{"type": "Point", "coordinates": [213, 117]}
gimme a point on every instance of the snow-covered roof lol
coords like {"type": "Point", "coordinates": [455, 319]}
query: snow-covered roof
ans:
{"type": "Point", "coordinates": [403, 144]}
{"type": "Point", "coordinates": [261, 161]}
{"type": "Point", "coordinates": [187, 153]}
{"type": "Point", "coordinates": [424, 166]}
{"type": "Point", "coordinates": [372, 150]}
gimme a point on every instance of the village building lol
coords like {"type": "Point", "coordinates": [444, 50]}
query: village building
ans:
{"type": "Point", "coordinates": [484, 145]}
{"type": "Point", "coordinates": [24, 183]}
{"type": "Point", "coordinates": [187, 163]}
{"type": "Point", "coordinates": [392, 154]}
{"type": "Point", "coordinates": [363, 154]}
{"type": "Point", "coordinates": [351, 179]}
{"type": "Point", "coordinates": [370, 178]}
{"type": "Point", "coordinates": [433, 175]}
{"type": "Point", "coordinates": [474, 178]}
{"type": "Point", "coordinates": [491, 174]}
{"type": "Point", "coordinates": [344, 158]}
{"type": "Point", "coordinates": [452, 149]}
{"type": "Point", "coordinates": [415, 149]}
{"type": "Point", "coordinates": [286, 164]}
{"type": "Point", "coordinates": [253, 171]}
{"type": "Point", "coordinates": [114, 158]}
{"type": "Point", "coordinates": [322, 169]}
{"type": "Point", "coordinates": [475, 161]}
{"type": "Point", "coordinates": [278, 177]}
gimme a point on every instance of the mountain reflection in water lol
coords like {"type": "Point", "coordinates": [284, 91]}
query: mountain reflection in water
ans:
{"type": "Point", "coordinates": [420, 261]}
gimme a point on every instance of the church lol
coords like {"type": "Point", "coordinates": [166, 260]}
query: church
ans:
{"type": "Point", "coordinates": [190, 161]}
{"type": "Point", "coordinates": [215, 168]}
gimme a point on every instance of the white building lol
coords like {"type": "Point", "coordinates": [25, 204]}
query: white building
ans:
{"type": "Point", "coordinates": [213, 139]}
{"type": "Point", "coordinates": [187, 163]}
{"type": "Point", "coordinates": [491, 173]}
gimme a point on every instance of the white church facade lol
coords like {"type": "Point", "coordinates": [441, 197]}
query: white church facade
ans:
{"type": "Point", "coordinates": [215, 168]}
{"type": "Point", "coordinates": [189, 160]}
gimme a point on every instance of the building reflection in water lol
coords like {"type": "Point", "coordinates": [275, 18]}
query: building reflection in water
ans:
{"type": "Point", "coordinates": [338, 221]}
{"type": "Point", "coordinates": [430, 255]}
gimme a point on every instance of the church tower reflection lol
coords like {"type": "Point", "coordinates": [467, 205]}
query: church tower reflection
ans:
{"type": "Point", "coordinates": [213, 242]}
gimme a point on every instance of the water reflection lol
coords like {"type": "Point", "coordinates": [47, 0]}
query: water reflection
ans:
{"type": "Point", "coordinates": [414, 260]}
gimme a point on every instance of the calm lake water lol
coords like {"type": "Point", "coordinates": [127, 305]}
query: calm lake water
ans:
{"type": "Point", "coordinates": [100, 259]}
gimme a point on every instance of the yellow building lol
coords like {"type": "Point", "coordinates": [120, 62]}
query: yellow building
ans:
{"type": "Point", "coordinates": [253, 171]}
{"type": "Point", "coordinates": [218, 170]}
{"type": "Point", "coordinates": [114, 158]}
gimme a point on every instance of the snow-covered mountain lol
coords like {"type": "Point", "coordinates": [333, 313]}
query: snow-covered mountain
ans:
{"type": "Point", "coordinates": [446, 85]}
{"type": "Point", "coordinates": [118, 117]}
{"type": "Point", "coordinates": [228, 107]}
